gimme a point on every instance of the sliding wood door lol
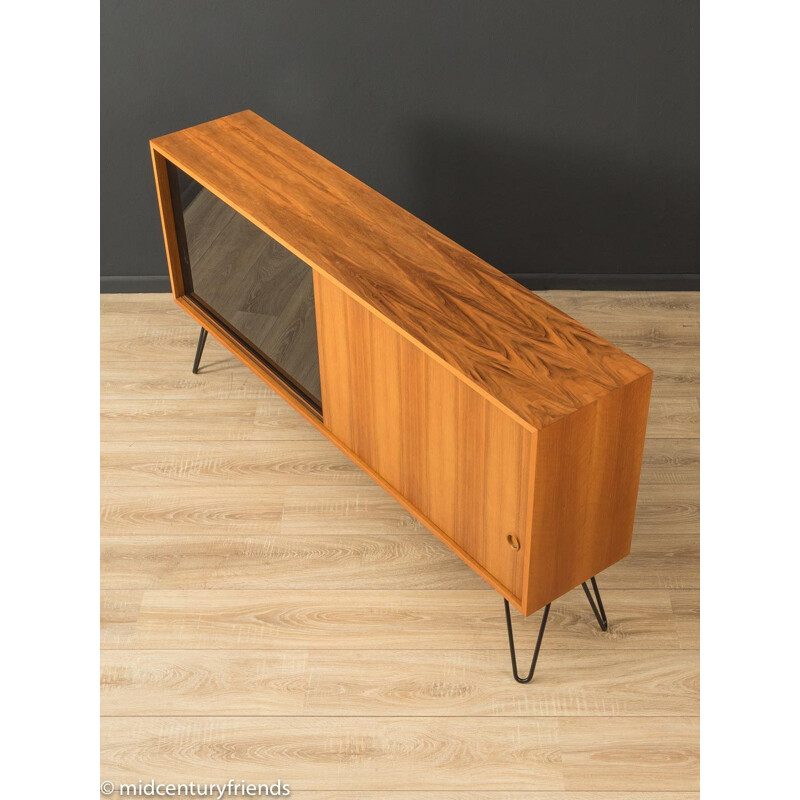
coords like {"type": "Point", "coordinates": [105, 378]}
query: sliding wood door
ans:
{"type": "Point", "coordinates": [461, 461]}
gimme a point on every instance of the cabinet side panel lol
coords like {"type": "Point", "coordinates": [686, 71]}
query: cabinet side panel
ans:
{"type": "Point", "coordinates": [168, 223]}
{"type": "Point", "coordinates": [586, 484]}
{"type": "Point", "coordinates": [461, 462]}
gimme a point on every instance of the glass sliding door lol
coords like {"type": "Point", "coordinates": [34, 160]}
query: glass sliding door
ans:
{"type": "Point", "coordinates": [252, 285]}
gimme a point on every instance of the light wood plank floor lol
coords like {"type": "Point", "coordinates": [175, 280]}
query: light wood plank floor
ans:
{"type": "Point", "coordinates": [269, 612]}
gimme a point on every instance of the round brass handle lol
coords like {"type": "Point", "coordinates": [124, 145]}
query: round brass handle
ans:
{"type": "Point", "coordinates": [513, 541]}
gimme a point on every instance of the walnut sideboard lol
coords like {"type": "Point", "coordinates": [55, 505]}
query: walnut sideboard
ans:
{"type": "Point", "coordinates": [508, 429]}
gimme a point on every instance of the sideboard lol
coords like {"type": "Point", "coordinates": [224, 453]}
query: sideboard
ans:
{"type": "Point", "coordinates": [508, 429]}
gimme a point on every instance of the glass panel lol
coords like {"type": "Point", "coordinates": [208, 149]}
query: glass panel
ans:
{"type": "Point", "coordinates": [251, 284]}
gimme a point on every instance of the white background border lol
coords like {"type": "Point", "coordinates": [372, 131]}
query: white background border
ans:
{"type": "Point", "coordinates": [750, 375]}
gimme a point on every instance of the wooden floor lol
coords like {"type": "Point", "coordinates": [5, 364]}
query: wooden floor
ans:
{"type": "Point", "coordinates": [269, 612]}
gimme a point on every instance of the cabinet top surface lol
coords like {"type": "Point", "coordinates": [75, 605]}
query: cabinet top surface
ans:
{"type": "Point", "coordinates": [531, 358]}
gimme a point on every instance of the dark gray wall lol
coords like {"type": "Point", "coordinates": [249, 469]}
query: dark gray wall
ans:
{"type": "Point", "coordinates": [557, 139]}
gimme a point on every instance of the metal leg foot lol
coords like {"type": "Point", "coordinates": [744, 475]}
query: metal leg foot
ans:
{"type": "Point", "coordinates": [601, 613]}
{"type": "Point", "coordinates": [511, 644]}
{"type": "Point", "coordinates": [200, 345]}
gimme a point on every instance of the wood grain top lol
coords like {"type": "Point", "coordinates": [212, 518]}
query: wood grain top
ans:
{"type": "Point", "coordinates": [516, 349]}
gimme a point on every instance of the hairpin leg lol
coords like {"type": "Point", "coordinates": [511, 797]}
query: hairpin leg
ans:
{"type": "Point", "coordinates": [601, 614]}
{"type": "Point", "coordinates": [200, 345]}
{"type": "Point", "coordinates": [535, 652]}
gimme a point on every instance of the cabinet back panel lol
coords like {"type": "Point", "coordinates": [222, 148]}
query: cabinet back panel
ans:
{"type": "Point", "coordinates": [461, 461]}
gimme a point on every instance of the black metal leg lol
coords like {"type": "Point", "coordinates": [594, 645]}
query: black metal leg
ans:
{"type": "Point", "coordinates": [535, 652]}
{"type": "Point", "coordinates": [601, 614]}
{"type": "Point", "coordinates": [200, 345]}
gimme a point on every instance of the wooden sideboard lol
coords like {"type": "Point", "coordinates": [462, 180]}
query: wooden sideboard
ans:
{"type": "Point", "coordinates": [510, 430]}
